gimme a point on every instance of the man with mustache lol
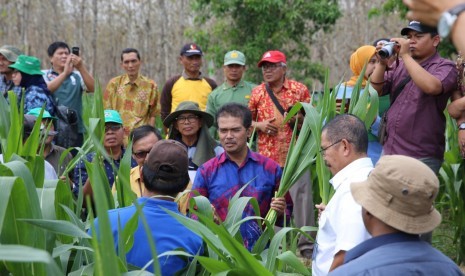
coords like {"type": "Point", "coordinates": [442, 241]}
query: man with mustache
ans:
{"type": "Point", "coordinates": [221, 177]}
{"type": "Point", "coordinates": [420, 83]}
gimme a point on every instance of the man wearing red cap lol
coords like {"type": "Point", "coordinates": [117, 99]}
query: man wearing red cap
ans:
{"type": "Point", "coordinates": [269, 103]}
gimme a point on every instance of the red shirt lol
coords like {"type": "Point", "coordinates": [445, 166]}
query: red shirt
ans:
{"type": "Point", "coordinates": [263, 108]}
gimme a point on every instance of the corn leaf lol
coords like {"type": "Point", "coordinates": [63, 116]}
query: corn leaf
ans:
{"type": "Point", "coordinates": [27, 255]}
{"type": "Point", "coordinates": [291, 260]}
{"type": "Point", "coordinates": [15, 204]}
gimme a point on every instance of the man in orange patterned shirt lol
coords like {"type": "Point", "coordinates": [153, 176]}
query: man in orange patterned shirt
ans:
{"type": "Point", "coordinates": [274, 137]}
{"type": "Point", "coordinates": [134, 96]}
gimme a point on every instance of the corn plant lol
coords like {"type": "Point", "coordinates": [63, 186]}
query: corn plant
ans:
{"type": "Point", "coordinates": [41, 231]}
{"type": "Point", "coordinates": [225, 252]}
{"type": "Point", "coordinates": [303, 151]}
{"type": "Point", "coordinates": [452, 192]}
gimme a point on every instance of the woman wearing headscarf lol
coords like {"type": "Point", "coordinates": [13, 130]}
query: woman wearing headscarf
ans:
{"type": "Point", "coordinates": [28, 76]}
{"type": "Point", "coordinates": [364, 55]}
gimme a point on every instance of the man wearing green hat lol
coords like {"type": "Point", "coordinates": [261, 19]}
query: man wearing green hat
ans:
{"type": "Point", "coordinates": [113, 144]}
{"type": "Point", "coordinates": [52, 152]}
{"type": "Point", "coordinates": [8, 56]}
{"type": "Point", "coordinates": [234, 89]}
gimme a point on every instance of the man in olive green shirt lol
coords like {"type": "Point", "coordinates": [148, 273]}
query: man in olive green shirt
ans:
{"type": "Point", "coordinates": [234, 89]}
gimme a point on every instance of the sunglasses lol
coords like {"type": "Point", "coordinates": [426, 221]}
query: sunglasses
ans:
{"type": "Point", "coordinates": [141, 154]}
{"type": "Point", "coordinates": [112, 127]}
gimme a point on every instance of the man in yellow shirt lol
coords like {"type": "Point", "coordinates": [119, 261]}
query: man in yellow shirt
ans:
{"type": "Point", "coordinates": [191, 85]}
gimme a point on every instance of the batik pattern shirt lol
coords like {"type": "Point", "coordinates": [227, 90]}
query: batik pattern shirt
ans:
{"type": "Point", "coordinates": [34, 97]}
{"type": "Point", "coordinates": [220, 178]}
{"type": "Point", "coordinates": [8, 85]}
{"type": "Point", "coordinates": [135, 101]}
{"type": "Point", "coordinates": [263, 108]}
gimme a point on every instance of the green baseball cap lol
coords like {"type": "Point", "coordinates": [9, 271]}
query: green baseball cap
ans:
{"type": "Point", "coordinates": [112, 116]}
{"type": "Point", "coordinates": [36, 111]}
{"type": "Point", "coordinates": [27, 64]}
{"type": "Point", "coordinates": [11, 53]}
{"type": "Point", "coordinates": [234, 57]}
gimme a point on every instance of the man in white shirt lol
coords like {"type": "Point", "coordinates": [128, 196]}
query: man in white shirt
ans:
{"type": "Point", "coordinates": [344, 143]}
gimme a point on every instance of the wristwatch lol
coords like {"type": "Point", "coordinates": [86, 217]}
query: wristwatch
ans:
{"type": "Point", "coordinates": [462, 126]}
{"type": "Point", "coordinates": [447, 20]}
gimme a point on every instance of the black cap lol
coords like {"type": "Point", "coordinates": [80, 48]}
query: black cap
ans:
{"type": "Point", "coordinates": [191, 49]}
{"type": "Point", "coordinates": [418, 27]}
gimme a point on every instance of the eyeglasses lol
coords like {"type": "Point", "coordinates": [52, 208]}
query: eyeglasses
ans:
{"type": "Point", "coordinates": [190, 118]}
{"type": "Point", "coordinates": [141, 154]}
{"type": "Point", "coordinates": [323, 150]}
{"type": "Point", "coordinates": [112, 127]}
{"type": "Point", "coordinates": [271, 66]}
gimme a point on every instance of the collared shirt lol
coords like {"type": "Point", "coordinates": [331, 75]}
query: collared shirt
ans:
{"type": "Point", "coordinates": [35, 96]}
{"type": "Point", "coordinates": [396, 254]}
{"type": "Point", "coordinates": [341, 226]}
{"type": "Point", "coordinates": [168, 234]}
{"type": "Point", "coordinates": [193, 148]}
{"type": "Point", "coordinates": [80, 171]}
{"type": "Point", "coordinates": [135, 180]}
{"type": "Point", "coordinates": [416, 122]}
{"type": "Point", "coordinates": [220, 178]}
{"type": "Point", "coordinates": [8, 85]}
{"type": "Point", "coordinates": [182, 88]}
{"type": "Point", "coordinates": [69, 93]}
{"type": "Point", "coordinates": [225, 93]}
{"type": "Point", "coordinates": [263, 108]}
{"type": "Point", "coordinates": [135, 101]}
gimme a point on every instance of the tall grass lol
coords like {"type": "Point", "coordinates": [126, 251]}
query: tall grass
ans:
{"type": "Point", "coordinates": [42, 232]}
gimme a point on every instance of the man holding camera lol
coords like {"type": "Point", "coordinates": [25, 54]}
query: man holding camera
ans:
{"type": "Point", "coordinates": [66, 83]}
{"type": "Point", "coordinates": [420, 85]}
{"type": "Point", "coordinates": [269, 103]}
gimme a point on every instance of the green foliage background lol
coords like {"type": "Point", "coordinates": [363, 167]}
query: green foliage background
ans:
{"type": "Point", "coordinates": [255, 26]}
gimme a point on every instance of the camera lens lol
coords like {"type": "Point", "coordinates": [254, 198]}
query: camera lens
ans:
{"type": "Point", "coordinates": [383, 53]}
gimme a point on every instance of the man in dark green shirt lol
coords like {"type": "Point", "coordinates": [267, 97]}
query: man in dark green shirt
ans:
{"type": "Point", "coordinates": [234, 89]}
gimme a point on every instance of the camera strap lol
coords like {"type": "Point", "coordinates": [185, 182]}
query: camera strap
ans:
{"type": "Point", "coordinates": [274, 99]}
{"type": "Point", "coordinates": [399, 88]}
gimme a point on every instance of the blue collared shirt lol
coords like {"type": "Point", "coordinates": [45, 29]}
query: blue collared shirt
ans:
{"type": "Point", "coordinates": [396, 254]}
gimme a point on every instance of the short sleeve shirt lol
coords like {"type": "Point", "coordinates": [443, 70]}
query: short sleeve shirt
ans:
{"type": "Point", "coordinates": [263, 108]}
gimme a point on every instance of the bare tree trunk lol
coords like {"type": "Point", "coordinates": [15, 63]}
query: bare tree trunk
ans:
{"type": "Point", "coordinates": [94, 36]}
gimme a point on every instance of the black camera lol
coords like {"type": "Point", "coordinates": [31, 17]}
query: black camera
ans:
{"type": "Point", "coordinates": [387, 50]}
{"type": "Point", "coordinates": [75, 51]}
